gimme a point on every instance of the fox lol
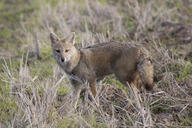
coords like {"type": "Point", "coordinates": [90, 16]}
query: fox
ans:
{"type": "Point", "coordinates": [131, 64]}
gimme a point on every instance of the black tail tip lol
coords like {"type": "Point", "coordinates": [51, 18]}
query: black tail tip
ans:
{"type": "Point", "coordinates": [148, 87]}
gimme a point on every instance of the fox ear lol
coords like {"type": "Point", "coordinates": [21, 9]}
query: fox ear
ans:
{"type": "Point", "coordinates": [54, 38]}
{"type": "Point", "coordinates": [72, 40]}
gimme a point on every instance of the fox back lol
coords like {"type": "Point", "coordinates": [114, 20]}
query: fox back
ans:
{"type": "Point", "coordinates": [128, 62]}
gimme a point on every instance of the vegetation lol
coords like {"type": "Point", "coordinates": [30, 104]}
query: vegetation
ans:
{"type": "Point", "coordinates": [33, 88]}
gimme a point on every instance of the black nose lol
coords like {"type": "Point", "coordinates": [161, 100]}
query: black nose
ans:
{"type": "Point", "coordinates": [62, 60]}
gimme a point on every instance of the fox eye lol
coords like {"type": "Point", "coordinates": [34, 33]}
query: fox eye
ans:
{"type": "Point", "coordinates": [58, 51]}
{"type": "Point", "coordinates": [66, 50]}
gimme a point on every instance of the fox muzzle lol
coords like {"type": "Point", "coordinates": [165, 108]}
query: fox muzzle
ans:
{"type": "Point", "coordinates": [62, 59]}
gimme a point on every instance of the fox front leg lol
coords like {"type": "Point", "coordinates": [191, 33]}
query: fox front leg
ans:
{"type": "Point", "coordinates": [75, 95]}
{"type": "Point", "coordinates": [76, 89]}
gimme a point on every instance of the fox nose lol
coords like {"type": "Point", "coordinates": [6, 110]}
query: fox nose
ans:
{"type": "Point", "coordinates": [62, 59]}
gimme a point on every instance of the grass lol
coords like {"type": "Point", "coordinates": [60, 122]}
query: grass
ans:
{"type": "Point", "coordinates": [7, 106]}
{"type": "Point", "coordinates": [37, 82]}
{"type": "Point", "coordinates": [186, 72]}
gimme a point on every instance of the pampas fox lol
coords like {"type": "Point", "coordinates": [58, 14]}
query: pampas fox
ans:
{"type": "Point", "coordinates": [129, 63]}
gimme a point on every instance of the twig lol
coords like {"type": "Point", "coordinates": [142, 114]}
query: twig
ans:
{"type": "Point", "coordinates": [37, 50]}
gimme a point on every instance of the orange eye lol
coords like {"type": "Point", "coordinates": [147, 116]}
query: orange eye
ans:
{"type": "Point", "coordinates": [66, 50]}
{"type": "Point", "coordinates": [58, 51]}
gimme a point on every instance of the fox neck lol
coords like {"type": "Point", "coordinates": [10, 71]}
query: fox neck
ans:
{"type": "Point", "coordinates": [73, 62]}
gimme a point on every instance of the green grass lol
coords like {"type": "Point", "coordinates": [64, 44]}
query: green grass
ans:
{"type": "Point", "coordinates": [11, 64]}
{"type": "Point", "coordinates": [186, 120]}
{"type": "Point", "coordinates": [181, 71]}
{"type": "Point", "coordinates": [11, 17]}
{"type": "Point", "coordinates": [12, 36]}
{"type": "Point", "coordinates": [127, 22]}
{"type": "Point", "coordinates": [63, 89]}
{"type": "Point", "coordinates": [186, 71]}
{"type": "Point", "coordinates": [112, 81]}
{"type": "Point", "coordinates": [42, 69]}
{"type": "Point", "coordinates": [161, 107]}
{"type": "Point", "coordinates": [7, 105]}
{"type": "Point", "coordinates": [102, 1]}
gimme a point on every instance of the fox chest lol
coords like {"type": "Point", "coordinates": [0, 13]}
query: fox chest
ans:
{"type": "Point", "coordinates": [74, 79]}
{"type": "Point", "coordinates": [79, 77]}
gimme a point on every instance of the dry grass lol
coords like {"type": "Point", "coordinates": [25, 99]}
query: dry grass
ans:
{"type": "Point", "coordinates": [37, 94]}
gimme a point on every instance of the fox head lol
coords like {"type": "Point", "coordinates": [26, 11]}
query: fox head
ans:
{"type": "Point", "coordinates": [64, 50]}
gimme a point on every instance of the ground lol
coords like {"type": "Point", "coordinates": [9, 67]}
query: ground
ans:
{"type": "Point", "coordinates": [33, 89]}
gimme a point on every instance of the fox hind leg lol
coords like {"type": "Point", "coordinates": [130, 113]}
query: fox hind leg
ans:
{"type": "Point", "coordinates": [93, 88]}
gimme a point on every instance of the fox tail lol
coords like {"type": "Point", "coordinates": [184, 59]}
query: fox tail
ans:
{"type": "Point", "coordinates": [146, 70]}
